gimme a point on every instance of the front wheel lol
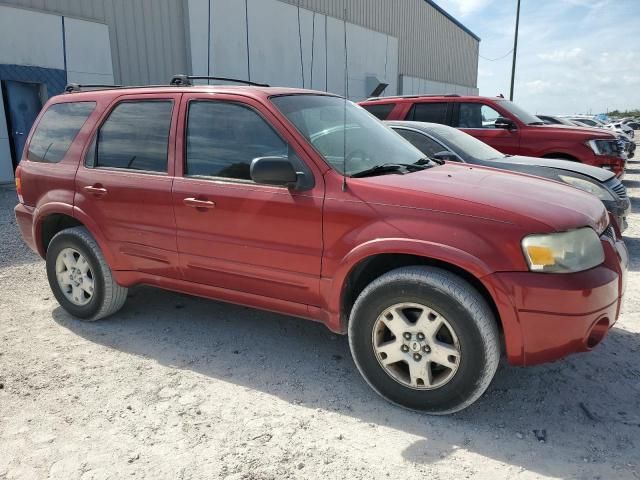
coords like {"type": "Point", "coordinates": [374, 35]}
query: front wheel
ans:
{"type": "Point", "coordinates": [425, 339]}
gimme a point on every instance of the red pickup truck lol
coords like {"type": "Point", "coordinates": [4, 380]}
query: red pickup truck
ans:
{"type": "Point", "coordinates": [302, 203]}
{"type": "Point", "coordinates": [506, 127]}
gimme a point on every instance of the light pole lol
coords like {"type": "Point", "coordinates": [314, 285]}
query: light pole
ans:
{"type": "Point", "coordinates": [515, 51]}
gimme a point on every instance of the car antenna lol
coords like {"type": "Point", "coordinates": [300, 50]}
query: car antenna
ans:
{"type": "Point", "coordinates": [346, 94]}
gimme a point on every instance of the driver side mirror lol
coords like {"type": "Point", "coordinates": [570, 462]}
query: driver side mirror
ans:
{"type": "Point", "coordinates": [447, 156]}
{"type": "Point", "coordinates": [505, 123]}
{"type": "Point", "coordinates": [276, 171]}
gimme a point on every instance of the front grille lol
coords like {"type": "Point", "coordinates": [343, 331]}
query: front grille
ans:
{"type": "Point", "coordinates": [620, 189]}
{"type": "Point", "coordinates": [609, 232]}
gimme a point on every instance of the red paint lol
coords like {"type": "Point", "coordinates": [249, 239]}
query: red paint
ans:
{"type": "Point", "coordinates": [528, 140]}
{"type": "Point", "coordinates": [292, 252]}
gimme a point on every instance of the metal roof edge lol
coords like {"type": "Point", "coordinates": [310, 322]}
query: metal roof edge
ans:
{"type": "Point", "coordinates": [452, 18]}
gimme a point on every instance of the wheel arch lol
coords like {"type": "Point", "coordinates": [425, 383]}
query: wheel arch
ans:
{"type": "Point", "coordinates": [372, 267]}
{"type": "Point", "coordinates": [52, 220]}
{"type": "Point", "coordinates": [372, 259]}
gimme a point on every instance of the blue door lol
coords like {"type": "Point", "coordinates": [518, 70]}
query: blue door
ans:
{"type": "Point", "coordinates": [23, 104]}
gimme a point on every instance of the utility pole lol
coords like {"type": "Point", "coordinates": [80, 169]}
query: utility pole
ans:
{"type": "Point", "coordinates": [515, 51]}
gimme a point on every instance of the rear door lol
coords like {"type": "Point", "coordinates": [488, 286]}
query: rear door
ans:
{"type": "Point", "coordinates": [478, 119]}
{"type": "Point", "coordinates": [232, 232]}
{"type": "Point", "coordinates": [124, 183]}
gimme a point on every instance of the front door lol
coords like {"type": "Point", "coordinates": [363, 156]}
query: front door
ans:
{"type": "Point", "coordinates": [478, 120]}
{"type": "Point", "coordinates": [233, 233]}
{"type": "Point", "coordinates": [23, 103]}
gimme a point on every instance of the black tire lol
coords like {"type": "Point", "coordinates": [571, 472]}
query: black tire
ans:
{"type": "Point", "coordinates": [467, 313]}
{"type": "Point", "coordinates": [108, 297]}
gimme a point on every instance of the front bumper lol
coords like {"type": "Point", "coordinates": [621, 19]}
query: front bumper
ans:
{"type": "Point", "coordinates": [548, 316]}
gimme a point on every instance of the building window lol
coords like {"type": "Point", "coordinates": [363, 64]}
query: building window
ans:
{"type": "Point", "coordinates": [57, 129]}
{"type": "Point", "coordinates": [135, 137]}
{"type": "Point", "coordinates": [224, 138]}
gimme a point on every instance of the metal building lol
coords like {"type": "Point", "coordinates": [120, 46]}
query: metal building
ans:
{"type": "Point", "coordinates": [412, 45]}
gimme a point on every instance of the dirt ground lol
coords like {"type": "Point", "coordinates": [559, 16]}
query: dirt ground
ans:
{"type": "Point", "coordinates": [175, 387]}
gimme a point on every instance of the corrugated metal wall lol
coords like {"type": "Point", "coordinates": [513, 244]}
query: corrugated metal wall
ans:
{"type": "Point", "coordinates": [431, 46]}
{"type": "Point", "coordinates": [143, 52]}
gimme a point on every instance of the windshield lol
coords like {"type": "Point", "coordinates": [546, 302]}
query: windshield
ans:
{"type": "Point", "coordinates": [365, 140]}
{"type": "Point", "coordinates": [464, 144]}
{"type": "Point", "coordinates": [522, 115]}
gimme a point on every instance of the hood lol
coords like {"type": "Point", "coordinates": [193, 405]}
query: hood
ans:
{"type": "Point", "coordinates": [493, 194]}
{"type": "Point", "coordinates": [596, 173]}
{"type": "Point", "coordinates": [581, 132]}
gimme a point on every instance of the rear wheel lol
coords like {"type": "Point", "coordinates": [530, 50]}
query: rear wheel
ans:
{"type": "Point", "coordinates": [79, 276]}
{"type": "Point", "coordinates": [424, 339]}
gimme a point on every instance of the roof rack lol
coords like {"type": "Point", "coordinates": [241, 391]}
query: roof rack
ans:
{"type": "Point", "coordinates": [185, 80]}
{"type": "Point", "coordinates": [416, 96]}
{"type": "Point", "coordinates": [76, 87]}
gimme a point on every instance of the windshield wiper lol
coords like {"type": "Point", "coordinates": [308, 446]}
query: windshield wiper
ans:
{"type": "Point", "coordinates": [427, 160]}
{"type": "Point", "coordinates": [388, 168]}
{"type": "Point", "coordinates": [536, 123]}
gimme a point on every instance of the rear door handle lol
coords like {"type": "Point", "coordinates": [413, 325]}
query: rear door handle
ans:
{"type": "Point", "coordinates": [96, 190]}
{"type": "Point", "coordinates": [195, 203]}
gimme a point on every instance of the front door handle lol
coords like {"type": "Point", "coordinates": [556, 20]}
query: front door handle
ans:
{"type": "Point", "coordinates": [195, 203]}
{"type": "Point", "coordinates": [96, 190]}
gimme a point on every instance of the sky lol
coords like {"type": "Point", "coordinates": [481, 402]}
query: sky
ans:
{"type": "Point", "coordinates": [574, 56]}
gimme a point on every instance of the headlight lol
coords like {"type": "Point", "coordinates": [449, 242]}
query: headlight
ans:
{"type": "Point", "coordinates": [603, 147]}
{"type": "Point", "coordinates": [566, 252]}
{"type": "Point", "coordinates": [591, 187]}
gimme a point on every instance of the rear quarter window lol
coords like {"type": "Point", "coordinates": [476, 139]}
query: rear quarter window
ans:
{"type": "Point", "coordinates": [57, 129]}
{"type": "Point", "coordinates": [380, 110]}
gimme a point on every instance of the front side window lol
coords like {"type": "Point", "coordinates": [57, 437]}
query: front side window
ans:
{"type": "Point", "coordinates": [520, 113]}
{"type": "Point", "coordinates": [56, 131]}
{"type": "Point", "coordinates": [224, 138]}
{"type": "Point", "coordinates": [429, 112]}
{"type": "Point", "coordinates": [426, 145]}
{"type": "Point", "coordinates": [135, 137]}
{"type": "Point", "coordinates": [349, 138]}
{"type": "Point", "coordinates": [476, 115]}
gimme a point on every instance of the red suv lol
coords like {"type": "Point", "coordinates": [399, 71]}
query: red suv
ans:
{"type": "Point", "coordinates": [506, 127]}
{"type": "Point", "coordinates": [302, 203]}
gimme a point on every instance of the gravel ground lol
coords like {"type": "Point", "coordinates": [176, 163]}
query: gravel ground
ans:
{"type": "Point", "coordinates": [175, 387]}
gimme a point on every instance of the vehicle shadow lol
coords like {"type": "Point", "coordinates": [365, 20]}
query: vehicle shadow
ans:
{"type": "Point", "coordinates": [578, 402]}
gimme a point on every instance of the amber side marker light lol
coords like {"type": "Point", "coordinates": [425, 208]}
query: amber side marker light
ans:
{"type": "Point", "coordinates": [19, 185]}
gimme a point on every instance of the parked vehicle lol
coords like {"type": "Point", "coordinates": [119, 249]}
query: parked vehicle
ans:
{"type": "Point", "coordinates": [302, 203]}
{"type": "Point", "coordinates": [626, 142]}
{"type": "Point", "coordinates": [506, 127]}
{"type": "Point", "coordinates": [621, 127]}
{"type": "Point", "coordinates": [555, 120]}
{"type": "Point", "coordinates": [448, 143]}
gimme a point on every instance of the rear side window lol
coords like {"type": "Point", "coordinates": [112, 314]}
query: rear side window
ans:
{"type": "Point", "coordinates": [380, 110]}
{"type": "Point", "coordinates": [57, 129]}
{"type": "Point", "coordinates": [429, 112]}
{"type": "Point", "coordinates": [224, 138]}
{"type": "Point", "coordinates": [134, 137]}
